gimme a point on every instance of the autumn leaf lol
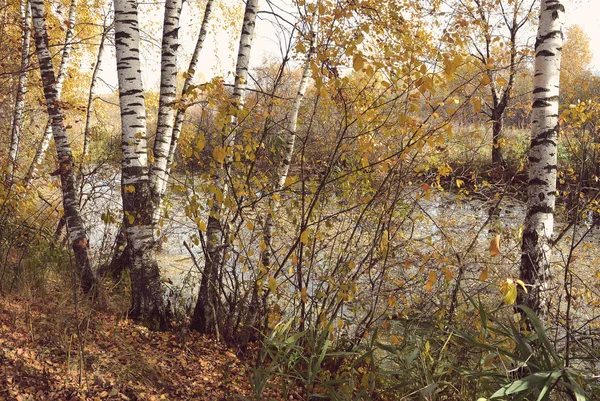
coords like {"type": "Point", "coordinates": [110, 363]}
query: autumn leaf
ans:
{"type": "Point", "coordinates": [272, 284]}
{"type": "Point", "coordinates": [358, 62]}
{"type": "Point", "coordinates": [219, 154]}
{"type": "Point", "coordinates": [511, 294]}
{"type": "Point", "coordinates": [495, 245]}
{"type": "Point", "coordinates": [484, 274]}
{"type": "Point", "coordinates": [304, 237]}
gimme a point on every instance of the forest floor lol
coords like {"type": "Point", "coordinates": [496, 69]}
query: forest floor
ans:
{"type": "Point", "coordinates": [51, 351]}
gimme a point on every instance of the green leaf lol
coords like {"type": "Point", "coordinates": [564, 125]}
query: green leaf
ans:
{"type": "Point", "coordinates": [577, 390]}
{"type": "Point", "coordinates": [528, 383]}
{"type": "Point", "coordinates": [541, 333]}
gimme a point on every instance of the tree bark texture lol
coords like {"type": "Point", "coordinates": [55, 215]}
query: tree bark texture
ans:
{"type": "Point", "coordinates": [77, 231]}
{"type": "Point", "coordinates": [180, 114]}
{"type": "Point", "coordinates": [146, 289]}
{"type": "Point", "coordinates": [40, 153]}
{"type": "Point", "coordinates": [539, 221]}
{"type": "Point", "coordinates": [166, 112]}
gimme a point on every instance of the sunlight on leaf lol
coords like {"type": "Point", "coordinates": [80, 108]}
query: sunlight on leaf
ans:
{"type": "Point", "coordinates": [495, 245]}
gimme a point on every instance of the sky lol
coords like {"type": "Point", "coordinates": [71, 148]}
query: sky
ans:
{"type": "Point", "coordinates": [218, 55]}
{"type": "Point", "coordinates": [586, 13]}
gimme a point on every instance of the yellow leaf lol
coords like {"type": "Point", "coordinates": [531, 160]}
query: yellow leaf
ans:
{"type": "Point", "coordinates": [202, 226]}
{"type": "Point", "coordinates": [304, 237]}
{"type": "Point", "coordinates": [391, 301]}
{"type": "Point", "coordinates": [511, 294]}
{"type": "Point", "coordinates": [263, 245]}
{"type": "Point", "coordinates": [522, 284]}
{"type": "Point", "coordinates": [495, 245]}
{"type": "Point", "coordinates": [358, 62]}
{"type": "Point", "coordinates": [485, 79]}
{"type": "Point", "coordinates": [447, 274]}
{"type": "Point", "coordinates": [303, 295]}
{"type": "Point", "coordinates": [130, 218]}
{"type": "Point", "coordinates": [129, 188]}
{"type": "Point", "coordinates": [431, 281]}
{"type": "Point", "coordinates": [219, 154]}
{"type": "Point", "coordinates": [300, 48]}
{"type": "Point", "coordinates": [484, 275]}
{"type": "Point", "coordinates": [250, 225]}
{"type": "Point", "coordinates": [459, 183]}
{"type": "Point", "coordinates": [272, 284]}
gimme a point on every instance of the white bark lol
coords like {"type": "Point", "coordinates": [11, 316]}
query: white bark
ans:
{"type": "Point", "coordinates": [180, 114]}
{"type": "Point", "coordinates": [539, 221]}
{"type": "Point", "coordinates": [76, 228]}
{"type": "Point", "coordinates": [147, 295]}
{"type": "Point", "coordinates": [166, 112]}
{"type": "Point", "coordinates": [40, 153]}
{"type": "Point", "coordinates": [17, 123]}
{"type": "Point", "coordinates": [242, 64]}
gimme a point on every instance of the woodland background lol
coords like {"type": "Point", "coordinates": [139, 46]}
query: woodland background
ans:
{"type": "Point", "coordinates": [345, 221]}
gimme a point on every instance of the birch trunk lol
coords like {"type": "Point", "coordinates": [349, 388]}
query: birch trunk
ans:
{"type": "Point", "coordinates": [539, 221]}
{"type": "Point", "coordinates": [166, 112]}
{"type": "Point", "coordinates": [76, 228]}
{"type": "Point", "coordinates": [40, 153]}
{"type": "Point", "coordinates": [146, 289]}
{"type": "Point", "coordinates": [180, 114]}
{"type": "Point", "coordinates": [204, 319]}
{"type": "Point", "coordinates": [17, 123]}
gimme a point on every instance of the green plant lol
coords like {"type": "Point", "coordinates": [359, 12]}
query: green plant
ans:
{"type": "Point", "coordinates": [304, 363]}
{"type": "Point", "coordinates": [520, 364]}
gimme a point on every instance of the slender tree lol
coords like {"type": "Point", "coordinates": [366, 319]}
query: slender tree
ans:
{"type": "Point", "coordinates": [76, 228]}
{"type": "Point", "coordinates": [166, 111]}
{"type": "Point", "coordinates": [180, 113]}
{"type": "Point", "coordinates": [17, 123]}
{"type": "Point", "coordinates": [539, 221]}
{"type": "Point", "coordinates": [487, 19]}
{"type": "Point", "coordinates": [65, 60]}
{"type": "Point", "coordinates": [146, 290]}
{"type": "Point", "coordinates": [204, 317]}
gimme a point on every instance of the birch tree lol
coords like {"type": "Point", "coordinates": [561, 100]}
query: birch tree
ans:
{"type": "Point", "coordinates": [146, 290]}
{"type": "Point", "coordinates": [180, 113]}
{"type": "Point", "coordinates": [166, 112]}
{"type": "Point", "coordinates": [204, 317]}
{"type": "Point", "coordinates": [17, 122]}
{"type": "Point", "coordinates": [539, 221]}
{"type": "Point", "coordinates": [76, 228]}
{"type": "Point", "coordinates": [40, 153]}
